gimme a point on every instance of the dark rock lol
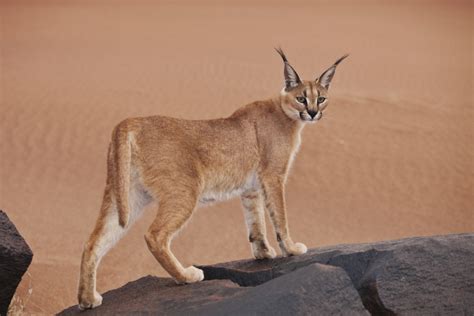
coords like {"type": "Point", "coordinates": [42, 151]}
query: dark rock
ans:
{"type": "Point", "coordinates": [161, 296]}
{"type": "Point", "coordinates": [422, 276]}
{"type": "Point", "coordinates": [315, 289]}
{"type": "Point", "coordinates": [425, 276]}
{"type": "Point", "coordinates": [15, 257]}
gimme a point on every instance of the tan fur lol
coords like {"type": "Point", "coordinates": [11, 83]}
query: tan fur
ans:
{"type": "Point", "coordinates": [182, 164]}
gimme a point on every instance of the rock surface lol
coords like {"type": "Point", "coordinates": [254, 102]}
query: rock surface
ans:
{"type": "Point", "coordinates": [316, 288]}
{"type": "Point", "coordinates": [15, 257]}
{"type": "Point", "coordinates": [422, 276]}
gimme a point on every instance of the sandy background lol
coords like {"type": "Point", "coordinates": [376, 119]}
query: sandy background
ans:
{"type": "Point", "coordinates": [392, 158]}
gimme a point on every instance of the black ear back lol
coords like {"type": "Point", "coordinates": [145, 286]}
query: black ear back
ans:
{"type": "Point", "coordinates": [291, 76]}
{"type": "Point", "coordinates": [326, 78]}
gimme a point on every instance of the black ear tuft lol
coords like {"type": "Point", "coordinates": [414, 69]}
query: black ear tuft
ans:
{"type": "Point", "coordinates": [282, 54]}
{"type": "Point", "coordinates": [291, 76]}
{"type": "Point", "coordinates": [326, 78]}
{"type": "Point", "coordinates": [341, 59]}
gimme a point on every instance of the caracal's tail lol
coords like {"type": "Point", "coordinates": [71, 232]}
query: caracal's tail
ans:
{"type": "Point", "coordinates": [122, 146]}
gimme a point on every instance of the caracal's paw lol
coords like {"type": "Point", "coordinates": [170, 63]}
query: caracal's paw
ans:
{"type": "Point", "coordinates": [193, 274]}
{"type": "Point", "coordinates": [90, 301]}
{"type": "Point", "coordinates": [264, 253]}
{"type": "Point", "coordinates": [295, 250]}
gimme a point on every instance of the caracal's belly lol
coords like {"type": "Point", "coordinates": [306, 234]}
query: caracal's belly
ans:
{"type": "Point", "coordinates": [225, 191]}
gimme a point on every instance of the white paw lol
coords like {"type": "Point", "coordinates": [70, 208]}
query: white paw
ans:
{"type": "Point", "coordinates": [300, 249]}
{"type": "Point", "coordinates": [295, 250]}
{"type": "Point", "coordinates": [193, 274]}
{"type": "Point", "coordinates": [90, 302]}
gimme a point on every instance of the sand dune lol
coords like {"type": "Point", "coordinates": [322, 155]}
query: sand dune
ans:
{"type": "Point", "coordinates": [393, 157]}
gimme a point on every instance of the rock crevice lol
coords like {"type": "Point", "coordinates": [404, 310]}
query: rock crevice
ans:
{"type": "Point", "coordinates": [363, 268]}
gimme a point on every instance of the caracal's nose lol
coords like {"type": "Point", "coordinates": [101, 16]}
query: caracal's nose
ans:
{"type": "Point", "coordinates": [312, 113]}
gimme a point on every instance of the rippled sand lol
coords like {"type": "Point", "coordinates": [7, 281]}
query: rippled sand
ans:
{"type": "Point", "coordinates": [392, 158]}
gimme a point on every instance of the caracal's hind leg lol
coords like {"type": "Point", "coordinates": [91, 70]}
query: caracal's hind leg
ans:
{"type": "Point", "coordinates": [175, 208]}
{"type": "Point", "coordinates": [254, 213]}
{"type": "Point", "coordinates": [106, 234]}
{"type": "Point", "coordinates": [107, 230]}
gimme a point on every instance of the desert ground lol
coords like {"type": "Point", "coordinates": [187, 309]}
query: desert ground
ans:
{"type": "Point", "coordinates": [393, 157]}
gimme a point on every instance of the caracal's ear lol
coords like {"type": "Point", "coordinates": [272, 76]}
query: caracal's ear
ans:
{"type": "Point", "coordinates": [326, 77]}
{"type": "Point", "coordinates": [291, 77]}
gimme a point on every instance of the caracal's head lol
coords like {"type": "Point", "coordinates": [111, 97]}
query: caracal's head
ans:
{"type": "Point", "coordinates": [304, 100]}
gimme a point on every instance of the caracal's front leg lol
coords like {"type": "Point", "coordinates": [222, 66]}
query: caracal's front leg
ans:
{"type": "Point", "coordinates": [274, 194]}
{"type": "Point", "coordinates": [174, 211]}
{"type": "Point", "coordinates": [253, 204]}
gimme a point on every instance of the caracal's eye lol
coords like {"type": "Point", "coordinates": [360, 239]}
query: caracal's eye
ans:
{"type": "Point", "coordinates": [321, 100]}
{"type": "Point", "coordinates": [301, 100]}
